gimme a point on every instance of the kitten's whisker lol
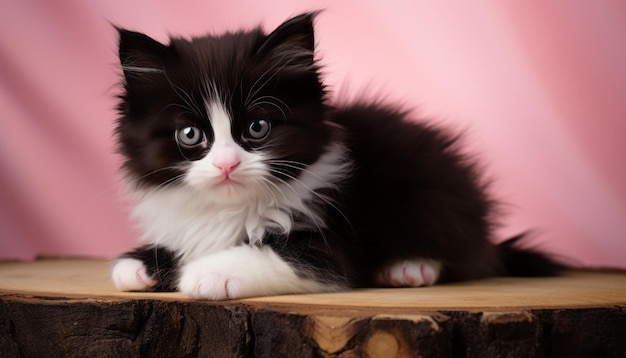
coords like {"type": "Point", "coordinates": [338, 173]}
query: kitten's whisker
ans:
{"type": "Point", "coordinates": [323, 198]}
{"type": "Point", "coordinates": [302, 167]}
{"type": "Point", "coordinates": [135, 178]}
{"type": "Point", "coordinates": [166, 182]}
{"type": "Point", "coordinates": [180, 151]}
{"type": "Point", "coordinates": [188, 99]}
{"type": "Point", "coordinates": [170, 181]}
{"type": "Point", "coordinates": [186, 108]}
{"type": "Point", "coordinates": [140, 69]}
{"type": "Point", "coordinates": [251, 94]}
{"type": "Point", "coordinates": [288, 184]}
{"type": "Point", "coordinates": [301, 183]}
{"type": "Point", "coordinates": [264, 184]}
{"type": "Point", "coordinates": [280, 61]}
{"type": "Point", "coordinates": [304, 210]}
{"type": "Point", "coordinates": [157, 170]}
{"type": "Point", "coordinates": [270, 103]}
{"type": "Point", "coordinates": [269, 99]}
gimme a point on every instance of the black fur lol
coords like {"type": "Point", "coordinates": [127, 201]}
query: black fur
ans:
{"type": "Point", "coordinates": [161, 264]}
{"type": "Point", "coordinates": [413, 193]}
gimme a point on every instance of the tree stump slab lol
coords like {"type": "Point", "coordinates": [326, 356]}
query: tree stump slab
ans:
{"type": "Point", "coordinates": [69, 308]}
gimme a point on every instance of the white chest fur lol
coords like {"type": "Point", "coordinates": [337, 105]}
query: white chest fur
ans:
{"type": "Point", "coordinates": [191, 223]}
{"type": "Point", "coordinates": [182, 221]}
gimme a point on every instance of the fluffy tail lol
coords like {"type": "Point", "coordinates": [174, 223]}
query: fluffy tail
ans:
{"type": "Point", "coordinates": [524, 262]}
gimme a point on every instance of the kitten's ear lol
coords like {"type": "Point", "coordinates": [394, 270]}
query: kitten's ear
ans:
{"type": "Point", "coordinates": [294, 37]}
{"type": "Point", "coordinates": [141, 57]}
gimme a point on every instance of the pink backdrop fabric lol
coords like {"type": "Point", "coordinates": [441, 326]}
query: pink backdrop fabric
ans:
{"type": "Point", "coordinates": [539, 87]}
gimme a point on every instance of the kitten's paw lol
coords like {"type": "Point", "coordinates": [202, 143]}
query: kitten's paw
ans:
{"type": "Point", "coordinates": [410, 273]}
{"type": "Point", "coordinates": [244, 271]}
{"type": "Point", "coordinates": [210, 283]}
{"type": "Point", "coordinates": [234, 273]}
{"type": "Point", "coordinates": [131, 275]}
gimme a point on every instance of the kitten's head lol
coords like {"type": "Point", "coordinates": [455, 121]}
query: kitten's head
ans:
{"type": "Point", "coordinates": [230, 115]}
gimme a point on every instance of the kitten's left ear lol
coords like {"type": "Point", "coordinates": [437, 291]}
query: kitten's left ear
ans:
{"type": "Point", "coordinates": [142, 58]}
{"type": "Point", "coordinates": [294, 34]}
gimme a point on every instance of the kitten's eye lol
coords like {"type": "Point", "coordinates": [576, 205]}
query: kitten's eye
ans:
{"type": "Point", "coordinates": [259, 129]}
{"type": "Point", "coordinates": [190, 136]}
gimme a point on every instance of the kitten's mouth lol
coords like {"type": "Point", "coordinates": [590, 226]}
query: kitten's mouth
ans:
{"type": "Point", "coordinates": [227, 181]}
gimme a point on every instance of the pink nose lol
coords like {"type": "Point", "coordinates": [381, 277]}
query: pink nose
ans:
{"type": "Point", "coordinates": [226, 167]}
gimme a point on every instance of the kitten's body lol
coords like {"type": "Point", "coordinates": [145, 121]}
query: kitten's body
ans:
{"type": "Point", "coordinates": [247, 183]}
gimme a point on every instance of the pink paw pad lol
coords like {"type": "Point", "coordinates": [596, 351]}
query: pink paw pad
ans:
{"type": "Point", "coordinates": [410, 273]}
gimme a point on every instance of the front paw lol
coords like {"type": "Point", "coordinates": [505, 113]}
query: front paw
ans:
{"type": "Point", "coordinates": [131, 275]}
{"type": "Point", "coordinates": [206, 282]}
{"type": "Point", "coordinates": [228, 274]}
{"type": "Point", "coordinates": [244, 271]}
{"type": "Point", "coordinates": [217, 277]}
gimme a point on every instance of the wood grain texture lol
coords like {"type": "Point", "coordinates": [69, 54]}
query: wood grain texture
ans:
{"type": "Point", "coordinates": [68, 308]}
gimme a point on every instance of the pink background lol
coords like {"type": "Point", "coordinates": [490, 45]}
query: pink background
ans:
{"type": "Point", "coordinates": [538, 86]}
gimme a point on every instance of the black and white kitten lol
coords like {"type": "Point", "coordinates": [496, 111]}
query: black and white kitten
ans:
{"type": "Point", "coordinates": [248, 183]}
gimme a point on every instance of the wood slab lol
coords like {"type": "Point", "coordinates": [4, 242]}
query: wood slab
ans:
{"type": "Point", "coordinates": [69, 308]}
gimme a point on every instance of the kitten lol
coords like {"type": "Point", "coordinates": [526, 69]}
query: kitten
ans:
{"type": "Point", "coordinates": [248, 183]}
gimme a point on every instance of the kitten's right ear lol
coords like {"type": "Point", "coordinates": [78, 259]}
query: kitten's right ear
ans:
{"type": "Point", "coordinates": [293, 40]}
{"type": "Point", "coordinates": [142, 58]}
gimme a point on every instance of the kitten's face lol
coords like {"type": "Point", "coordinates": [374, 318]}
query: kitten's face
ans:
{"type": "Point", "coordinates": [233, 116]}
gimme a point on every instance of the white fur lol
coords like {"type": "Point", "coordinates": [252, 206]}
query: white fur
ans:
{"type": "Point", "coordinates": [220, 120]}
{"type": "Point", "coordinates": [244, 271]}
{"type": "Point", "coordinates": [204, 175]}
{"type": "Point", "coordinates": [195, 221]}
{"type": "Point", "coordinates": [130, 275]}
{"type": "Point", "coordinates": [210, 215]}
{"type": "Point", "coordinates": [410, 273]}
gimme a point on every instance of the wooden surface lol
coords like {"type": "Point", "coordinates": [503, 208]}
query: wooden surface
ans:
{"type": "Point", "coordinates": [72, 304]}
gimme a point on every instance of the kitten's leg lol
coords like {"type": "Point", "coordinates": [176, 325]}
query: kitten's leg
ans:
{"type": "Point", "coordinates": [145, 269]}
{"type": "Point", "coordinates": [245, 271]}
{"type": "Point", "coordinates": [410, 273]}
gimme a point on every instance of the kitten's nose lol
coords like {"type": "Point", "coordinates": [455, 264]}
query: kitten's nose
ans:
{"type": "Point", "coordinates": [226, 167]}
{"type": "Point", "coordinates": [225, 157]}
